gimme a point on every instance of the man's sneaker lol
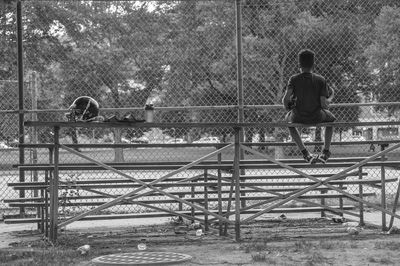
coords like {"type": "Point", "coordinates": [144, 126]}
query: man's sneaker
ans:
{"type": "Point", "coordinates": [310, 158]}
{"type": "Point", "coordinates": [323, 158]}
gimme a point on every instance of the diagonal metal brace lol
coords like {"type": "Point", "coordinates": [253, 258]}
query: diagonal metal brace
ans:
{"type": "Point", "coordinates": [319, 182]}
{"type": "Point", "coordinates": [144, 185]}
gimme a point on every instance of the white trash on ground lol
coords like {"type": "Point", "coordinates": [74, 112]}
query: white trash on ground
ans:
{"type": "Point", "coordinates": [84, 249]}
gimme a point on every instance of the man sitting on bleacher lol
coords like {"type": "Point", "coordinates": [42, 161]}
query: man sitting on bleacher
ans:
{"type": "Point", "coordinates": [307, 99]}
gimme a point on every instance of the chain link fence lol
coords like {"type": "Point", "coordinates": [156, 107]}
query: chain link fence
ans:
{"type": "Point", "coordinates": [181, 56]}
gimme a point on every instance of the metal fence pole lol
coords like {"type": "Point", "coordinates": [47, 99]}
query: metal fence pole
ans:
{"type": "Point", "coordinates": [21, 133]}
{"type": "Point", "coordinates": [239, 69]}
{"type": "Point", "coordinates": [54, 188]}
{"type": "Point", "coordinates": [236, 177]}
{"type": "Point", "coordinates": [383, 189]}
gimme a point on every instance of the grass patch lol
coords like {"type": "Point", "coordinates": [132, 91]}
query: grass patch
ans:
{"type": "Point", "coordinates": [391, 245]}
{"type": "Point", "coordinates": [255, 247]}
{"type": "Point", "coordinates": [316, 258]}
{"type": "Point", "coordinates": [259, 256]}
{"type": "Point", "coordinates": [353, 244]}
{"type": "Point", "coordinates": [47, 257]}
{"type": "Point", "coordinates": [326, 244]}
{"type": "Point", "coordinates": [303, 245]}
{"type": "Point", "coordinates": [380, 261]}
{"type": "Point", "coordinates": [70, 241]}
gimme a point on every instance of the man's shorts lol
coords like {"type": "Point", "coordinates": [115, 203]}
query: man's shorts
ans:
{"type": "Point", "coordinates": [322, 116]}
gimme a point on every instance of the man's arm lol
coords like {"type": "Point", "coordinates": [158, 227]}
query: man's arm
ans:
{"type": "Point", "coordinates": [331, 94]}
{"type": "Point", "coordinates": [287, 97]}
{"type": "Point", "coordinates": [326, 101]}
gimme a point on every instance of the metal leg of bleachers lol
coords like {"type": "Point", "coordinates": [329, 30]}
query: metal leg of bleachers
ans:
{"type": "Point", "coordinates": [341, 201]}
{"type": "Point", "coordinates": [228, 207]}
{"type": "Point", "coordinates": [180, 205]}
{"type": "Point", "coordinates": [361, 196]}
{"type": "Point", "coordinates": [206, 199]}
{"type": "Point", "coordinates": [219, 184]}
{"type": "Point", "coordinates": [54, 189]}
{"type": "Point", "coordinates": [193, 194]}
{"type": "Point", "coordinates": [41, 212]}
{"type": "Point", "coordinates": [395, 203]}
{"type": "Point", "coordinates": [236, 173]}
{"type": "Point", "coordinates": [48, 176]}
{"type": "Point", "coordinates": [46, 203]}
{"type": "Point", "coordinates": [323, 202]}
{"type": "Point", "coordinates": [383, 189]}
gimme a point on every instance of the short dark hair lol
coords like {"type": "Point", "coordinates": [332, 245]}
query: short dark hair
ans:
{"type": "Point", "coordinates": [306, 58]}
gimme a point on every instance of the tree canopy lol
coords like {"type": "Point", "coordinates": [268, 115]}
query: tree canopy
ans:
{"type": "Point", "coordinates": [183, 53]}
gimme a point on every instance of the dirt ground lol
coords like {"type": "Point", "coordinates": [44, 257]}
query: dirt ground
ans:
{"type": "Point", "coordinates": [268, 241]}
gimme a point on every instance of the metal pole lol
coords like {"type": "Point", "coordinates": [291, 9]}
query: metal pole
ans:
{"type": "Point", "coordinates": [239, 69]}
{"type": "Point", "coordinates": [220, 193]}
{"type": "Point", "coordinates": [21, 133]}
{"type": "Point", "coordinates": [236, 176]}
{"type": "Point", "coordinates": [34, 134]}
{"type": "Point", "coordinates": [54, 188]}
{"type": "Point", "coordinates": [206, 200]}
{"type": "Point", "coordinates": [383, 188]}
{"type": "Point", "coordinates": [239, 61]}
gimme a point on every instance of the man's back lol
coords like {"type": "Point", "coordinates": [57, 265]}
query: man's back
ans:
{"type": "Point", "coordinates": [311, 94]}
{"type": "Point", "coordinates": [307, 89]}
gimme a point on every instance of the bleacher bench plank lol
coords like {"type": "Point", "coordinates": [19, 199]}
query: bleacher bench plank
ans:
{"type": "Point", "coordinates": [22, 186]}
{"type": "Point", "coordinates": [165, 214]}
{"type": "Point", "coordinates": [70, 203]}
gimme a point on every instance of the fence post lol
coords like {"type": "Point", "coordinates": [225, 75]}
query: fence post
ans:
{"type": "Point", "coordinates": [54, 188]}
{"type": "Point", "coordinates": [383, 188]}
{"type": "Point", "coordinates": [21, 118]}
{"type": "Point", "coordinates": [219, 187]}
{"type": "Point", "coordinates": [239, 74]}
{"type": "Point", "coordinates": [236, 174]}
{"type": "Point", "coordinates": [206, 199]}
{"type": "Point", "coordinates": [192, 195]}
{"type": "Point", "coordinates": [33, 84]}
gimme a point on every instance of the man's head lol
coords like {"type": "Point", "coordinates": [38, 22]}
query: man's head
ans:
{"type": "Point", "coordinates": [306, 59]}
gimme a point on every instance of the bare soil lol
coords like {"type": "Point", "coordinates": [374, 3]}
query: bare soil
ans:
{"type": "Point", "coordinates": [269, 241]}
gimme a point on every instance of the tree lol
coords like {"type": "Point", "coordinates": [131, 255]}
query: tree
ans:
{"type": "Point", "coordinates": [201, 66]}
{"type": "Point", "coordinates": [383, 56]}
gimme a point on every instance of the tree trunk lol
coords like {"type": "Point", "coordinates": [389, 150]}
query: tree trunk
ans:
{"type": "Point", "coordinates": [119, 152]}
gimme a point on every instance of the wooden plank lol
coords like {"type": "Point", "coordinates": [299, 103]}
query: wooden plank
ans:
{"type": "Point", "coordinates": [263, 176]}
{"type": "Point", "coordinates": [181, 193]}
{"type": "Point", "coordinates": [116, 181]}
{"type": "Point", "coordinates": [201, 125]}
{"type": "Point", "coordinates": [23, 186]}
{"type": "Point", "coordinates": [162, 214]}
{"type": "Point", "coordinates": [207, 162]}
{"type": "Point", "coordinates": [328, 165]}
{"type": "Point", "coordinates": [121, 167]}
{"type": "Point", "coordinates": [216, 145]}
{"type": "Point", "coordinates": [265, 165]}
{"type": "Point", "coordinates": [23, 200]}
{"type": "Point", "coordinates": [169, 201]}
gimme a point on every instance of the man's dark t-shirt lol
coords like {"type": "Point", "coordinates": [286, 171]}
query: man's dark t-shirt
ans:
{"type": "Point", "coordinates": [307, 89]}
